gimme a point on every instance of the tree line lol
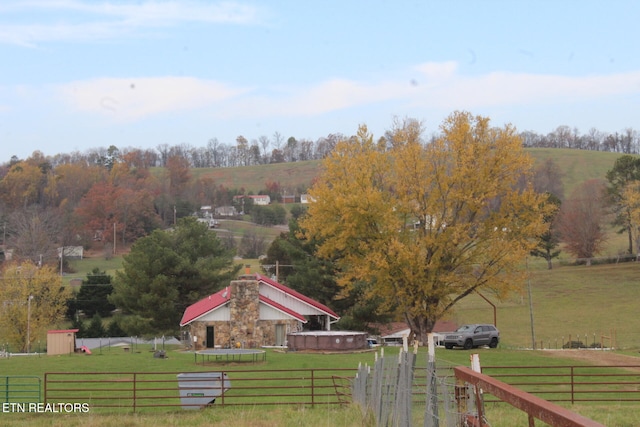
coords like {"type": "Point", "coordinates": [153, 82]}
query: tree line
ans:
{"type": "Point", "coordinates": [277, 149]}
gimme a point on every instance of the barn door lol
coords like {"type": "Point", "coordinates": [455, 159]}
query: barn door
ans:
{"type": "Point", "coordinates": [209, 343]}
{"type": "Point", "coordinates": [280, 335]}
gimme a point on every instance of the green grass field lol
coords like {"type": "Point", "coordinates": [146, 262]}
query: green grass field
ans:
{"type": "Point", "coordinates": [574, 301]}
{"type": "Point", "coordinates": [141, 360]}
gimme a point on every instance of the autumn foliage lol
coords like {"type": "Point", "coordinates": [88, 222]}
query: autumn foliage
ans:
{"type": "Point", "coordinates": [426, 224]}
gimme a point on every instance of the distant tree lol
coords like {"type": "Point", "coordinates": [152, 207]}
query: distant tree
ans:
{"type": "Point", "coordinates": [167, 271]}
{"type": "Point", "coordinates": [96, 328]}
{"type": "Point", "coordinates": [625, 171]}
{"type": "Point", "coordinates": [549, 241]}
{"type": "Point", "coordinates": [179, 175]}
{"type": "Point", "coordinates": [582, 218]}
{"type": "Point", "coordinates": [130, 208]}
{"type": "Point", "coordinates": [264, 144]}
{"type": "Point", "coordinates": [92, 298]}
{"type": "Point", "coordinates": [33, 300]}
{"type": "Point", "coordinates": [114, 329]}
{"type": "Point", "coordinates": [22, 185]}
{"type": "Point", "coordinates": [77, 323]}
{"type": "Point", "coordinates": [252, 245]}
{"type": "Point", "coordinates": [547, 178]}
{"type": "Point", "coordinates": [277, 156]}
{"type": "Point", "coordinates": [269, 215]}
{"type": "Point", "coordinates": [34, 234]}
{"type": "Point", "coordinates": [291, 150]}
{"type": "Point", "coordinates": [274, 190]}
{"type": "Point", "coordinates": [242, 148]}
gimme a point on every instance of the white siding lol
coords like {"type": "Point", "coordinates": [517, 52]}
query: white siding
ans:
{"type": "Point", "coordinates": [288, 301]}
{"type": "Point", "coordinates": [270, 313]}
{"type": "Point", "coordinates": [221, 313]}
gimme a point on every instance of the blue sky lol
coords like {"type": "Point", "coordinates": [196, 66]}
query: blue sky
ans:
{"type": "Point", "coordinates": [77, 75]}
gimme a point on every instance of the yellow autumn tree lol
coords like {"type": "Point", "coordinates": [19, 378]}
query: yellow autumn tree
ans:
{"type": "Point", "coordinates": [427, 224]}
{"type": "Point", "coordinates": [630, 203]}
{"type": "Point", "coordinates": [32, 300]}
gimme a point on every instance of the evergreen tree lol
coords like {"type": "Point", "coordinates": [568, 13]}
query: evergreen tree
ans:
{"type": "Point", "coordinates": [92, 298]}
{"type": "Point", "coordinates": [96, 328]}
{"type": "Point", "coordinates": [550, 239]}
{"type": "Point", "coordinates": [166, 272]}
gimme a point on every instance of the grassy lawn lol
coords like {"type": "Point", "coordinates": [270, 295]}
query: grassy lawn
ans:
{"type": "Point", "coordinates": [575, 302]}
{"type": "Point", "coordinates": [140, 360]}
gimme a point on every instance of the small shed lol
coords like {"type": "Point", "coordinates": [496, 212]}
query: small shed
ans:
{"type": "Point", "coordinates": [62, 341]}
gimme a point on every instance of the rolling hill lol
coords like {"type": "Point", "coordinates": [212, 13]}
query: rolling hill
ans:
{"type": "Point", "coordinates": [578, 166]}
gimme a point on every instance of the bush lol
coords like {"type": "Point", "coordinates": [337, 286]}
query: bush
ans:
{"type": "Point", "coordinates": [269, 215]}
{"type": "Point", "coordinates": [574, 344]}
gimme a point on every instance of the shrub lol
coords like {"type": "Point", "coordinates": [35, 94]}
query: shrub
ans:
{"type": "Point", "coordinates": [574, 344]}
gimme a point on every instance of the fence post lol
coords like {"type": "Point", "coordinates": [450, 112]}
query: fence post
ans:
{"type": "Point", "coordinates": [431, 418]}
{"type": "Point", "coordinates": [313, 389]}
{"type": "Point", "coordinates": [223, 376]}
{"type": "Point", "coordinates": [572, 387]}
{"type": "Point", "coordinates": [475, 366]}
{"type": "Point", "coordinates": [134, 392]}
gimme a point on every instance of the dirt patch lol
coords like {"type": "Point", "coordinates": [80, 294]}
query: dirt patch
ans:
{"type": "Point", "coordinates": [597, 357]}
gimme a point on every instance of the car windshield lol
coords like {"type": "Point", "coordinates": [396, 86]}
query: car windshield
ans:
{"type": "Point", "coordinates": [464, 328]}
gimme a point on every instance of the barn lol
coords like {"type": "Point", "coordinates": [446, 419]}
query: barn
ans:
{"type": "Point", "coordinates": [253, 311]}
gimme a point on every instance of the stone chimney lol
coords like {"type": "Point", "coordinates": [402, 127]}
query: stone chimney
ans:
{"type": "Point", "coordinates": [244, 307]}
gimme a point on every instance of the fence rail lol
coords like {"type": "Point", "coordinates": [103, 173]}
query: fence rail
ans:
{"type": "Point", "coordinates": [593, 383]}
{"type": "Point", "coordinates": [534, 406]}
{"type": "Point", "coordinates": [138, 391]}
{"type": "Point", "coordinates": [20, 388]}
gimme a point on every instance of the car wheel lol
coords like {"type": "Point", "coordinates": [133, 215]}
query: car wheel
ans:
{"type": "Point", "coordinates": [493, 343]}
{"type": "Point", "coordinates": [468, 344]}
{"type": "Point", "coordinates": [448, 346]}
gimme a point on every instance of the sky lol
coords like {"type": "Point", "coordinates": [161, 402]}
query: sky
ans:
{"type": "Point", "coordinates": [77, 75]}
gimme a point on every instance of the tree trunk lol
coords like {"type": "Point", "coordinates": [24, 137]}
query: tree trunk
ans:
{"type": "Point", "coordinates": [420, 327]}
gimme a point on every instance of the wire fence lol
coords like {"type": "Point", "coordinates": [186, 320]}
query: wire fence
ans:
{"type": "Point", "coordinates": [406, 391]}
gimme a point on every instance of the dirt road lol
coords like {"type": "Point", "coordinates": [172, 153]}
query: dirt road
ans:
{"type": "Point", "coordinates": [598, 357]}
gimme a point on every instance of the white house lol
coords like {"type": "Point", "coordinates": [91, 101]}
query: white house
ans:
{"type": "Point", "coordinates": [305, 198]}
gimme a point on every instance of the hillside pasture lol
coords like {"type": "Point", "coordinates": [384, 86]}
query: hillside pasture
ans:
{"type": "Point", "coordinates": [580, 302]}
{"type": "Point", "coordinates": [577, 166]}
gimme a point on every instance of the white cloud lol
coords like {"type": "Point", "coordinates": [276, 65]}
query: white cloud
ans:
{"type": "Point", "coordinates": [74, 20]}
{"type": "Point", "coordinates": [438, 87]}
{"type": "Point", "coordinates": [136, 98]}
{"type": "Point", "coordinates": [510, 89]}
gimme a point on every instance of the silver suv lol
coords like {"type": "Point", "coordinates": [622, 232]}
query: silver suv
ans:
{"type": "Point", "coordinates": [470, 336]}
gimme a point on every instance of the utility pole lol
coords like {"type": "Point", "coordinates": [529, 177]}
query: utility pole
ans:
{"type": "Point", "coordinates": [29, 323]}
{"type": "Point", "coordinates": [533, 333]}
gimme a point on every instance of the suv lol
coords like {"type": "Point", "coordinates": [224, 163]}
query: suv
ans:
{"type": "Point", "coordinates": [470, 336]}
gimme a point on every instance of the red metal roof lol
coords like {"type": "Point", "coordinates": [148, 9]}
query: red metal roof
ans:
{"type": "Point", "coordinates": [205, 305]}
{"type": "Point", "coordinates": [62, 331]}
{"type": "Point", "coordinates": [220, 298]}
